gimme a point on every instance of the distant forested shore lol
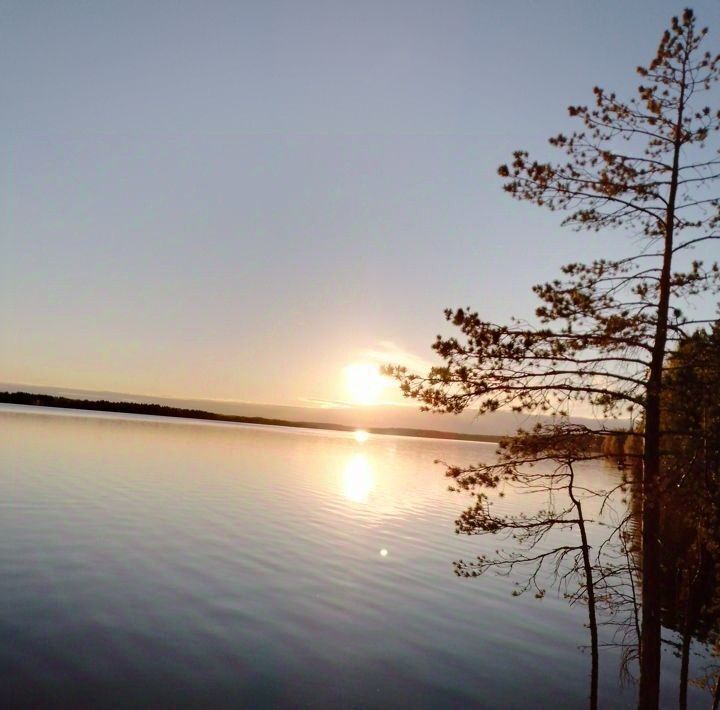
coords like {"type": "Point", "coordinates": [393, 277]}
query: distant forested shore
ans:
{"type": "Point", "coordinates": [161, 410]}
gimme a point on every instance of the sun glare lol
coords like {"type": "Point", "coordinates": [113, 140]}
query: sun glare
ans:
{"type": "Point", "coordinates": [358, 479]}
{"type": "Point", "coordinates": [364, 383]}
{"type": "Point", "coordinates": [361, 436]}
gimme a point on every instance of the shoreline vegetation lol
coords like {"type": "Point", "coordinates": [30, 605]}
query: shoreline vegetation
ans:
{"type": "Point", "coordinates": [161, 410]}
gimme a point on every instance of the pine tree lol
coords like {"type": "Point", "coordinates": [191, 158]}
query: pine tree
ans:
{"type": "Point", "coordinates": [647, 166]}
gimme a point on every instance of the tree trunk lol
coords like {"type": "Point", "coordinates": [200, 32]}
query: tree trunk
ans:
{"type": "Point", "coordinates": [691, 575]}
{"type": "Point", "coordinates": [650, 632]}
{"type": "Point", "coordinates": [590, 587]}
{"type": "Point", "coordinates": [649, 696]}
{"type": "Point", "coordinates": [685, 665]}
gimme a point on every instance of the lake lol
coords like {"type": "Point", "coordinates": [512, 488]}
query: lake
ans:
{"type": "Point", "coordinates": [151, 562]}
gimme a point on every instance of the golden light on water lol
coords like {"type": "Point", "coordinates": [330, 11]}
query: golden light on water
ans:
{"type": "Point", "coordinates": [361, 436]}
{"type": "Point", "coordinates": [364, 383]}
{"type": "Point", "coordinates": [358, 480]}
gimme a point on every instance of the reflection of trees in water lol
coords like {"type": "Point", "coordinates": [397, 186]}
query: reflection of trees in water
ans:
{"type": "Point", "coordinates": [554, 541]}
{"type": "Point", "coordinates": [602, 569]}
{"type": "Point", "coordinates": [688, 583]}
{"type": "Point", "coordinates": [690, 506]}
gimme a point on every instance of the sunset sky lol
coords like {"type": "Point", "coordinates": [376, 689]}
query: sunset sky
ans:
{"type": "Point", "coordinates": [261, 201]}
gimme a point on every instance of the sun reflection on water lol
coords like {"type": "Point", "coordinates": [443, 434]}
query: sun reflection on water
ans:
{"type": "Point", "coordinates": [358, 479]}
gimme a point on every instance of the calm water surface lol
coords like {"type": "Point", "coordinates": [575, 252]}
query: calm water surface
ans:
{"type": "Point", "coordinates": [164, 563]}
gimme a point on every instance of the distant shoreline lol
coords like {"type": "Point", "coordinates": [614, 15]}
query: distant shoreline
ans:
{"type": "Point", "coordinates": [161, 410]}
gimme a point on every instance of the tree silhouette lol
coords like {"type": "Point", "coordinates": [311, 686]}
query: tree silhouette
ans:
{"type": "Point", "coordinates": [577, 568]}
{"type": "Point", "coordinates": [645, 166]}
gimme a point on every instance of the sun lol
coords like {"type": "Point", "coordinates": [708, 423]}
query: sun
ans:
{"type": "Point", "coordinates": [364, 383]}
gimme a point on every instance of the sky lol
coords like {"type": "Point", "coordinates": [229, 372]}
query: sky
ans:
{"type": "Point", "coordinates": [242, 201]}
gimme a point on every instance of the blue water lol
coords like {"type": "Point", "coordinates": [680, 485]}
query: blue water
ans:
{"type": "Point", "coordinates": [165, 563]}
